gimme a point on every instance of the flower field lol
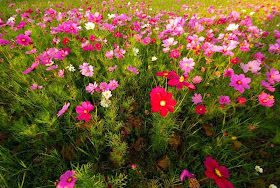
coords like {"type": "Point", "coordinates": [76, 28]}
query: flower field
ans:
{"type": "Point", "coordinates": [120, 93]}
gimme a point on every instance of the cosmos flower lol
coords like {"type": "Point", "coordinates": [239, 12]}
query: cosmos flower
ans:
{"type": "Point", "coordinates": [239, 82]}
{"type": "Point", "coordinates": [266, 99]}
{"type": "Point", "coordinates": [67, 179]}
{"type": "Point", "coordinates": [64, 108]}
{"type": "Point", "coordinates": [89, 25]}
{"type": "Point", "coordinates": [224, 99]}
{"type": "Point", "coordinates": [23, 40]}
{"type": "Point", "coordinates": [187, 64]}
{"type": "Point", "coordinates": [185, 174]}
{"type": "Point", "coordinates": [113, 84]}
{"type": "Point", "coordinates": [162, 101]}
{"type": "Point", "coordinates": [84, 110]}
{"type": "Point", "coordinates": [86, 70]}
{"type": "Point", "coordinates": [35, 86]}
{"type": "Point", "coordinates": [133, 69]}
{"type": "Point", "coordinates": [197, 98]}
{"type": "Point", "coordinates": [218, 173]}
{"type": "Point", "coordinates": [259, 169]}
{"type": "Point", "coordinates": [92, 87]}
{"type": "Point", "coordinates": [200, 109]}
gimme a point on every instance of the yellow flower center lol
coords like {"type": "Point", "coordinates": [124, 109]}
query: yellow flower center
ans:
{"type": "Point", "coordinates": [218, 173]}
{"type": "Point", "coordinates": [69, 179]}
{"type": "Point", "coordinates": [181, 79]}
{"type": "Point", "coordinates": [271, 97]}
{"type": "Point", "coordinates": [239, 82]}
{"type": "Point", "coordinates": [272, 76]}
{"type": "Point", "coordinates": [250, 67]}
{"type": "Point", "coordinates": [23, 40]}
{"type": "Point", "coordinates": [264, 100]}
{"type": "Point", "coordinates": [85, 111]}
{"type": "Point", "coordinates": [162, 103]}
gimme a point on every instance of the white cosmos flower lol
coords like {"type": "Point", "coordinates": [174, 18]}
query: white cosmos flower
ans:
{"type": "Point", "coordinates": [11, 19]}
{"type": "Point", "coordinates": [110, 16]}
{"type": "Point", "coordinates": [252, 13]}
{"type": "Point", "coordinates": [71, 68]}
{"type": "Point", "coordinates": [135, 51]}
{"type": "Point", "coordinates": [259, 169]}
{"type": "Point", "coordinates": [232, 27]}
{"type": "Point", "coordinates": [89, 25]}
{"type": "Point", "coordinates": [105, 103]}
{"type": "Point", "coordinates": [272, 186]}
{"type": "Point", "coordinates": [107, 94]}
{"type": "Point", "coordinates": [154, 58]}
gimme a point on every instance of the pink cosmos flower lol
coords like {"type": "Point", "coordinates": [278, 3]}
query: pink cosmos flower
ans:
{"type": "Point", "coordinates": [253, 66]}
{"type": "Point", "coordinates": [61, 73]}
{"type": "Point", "coordinates": [92, 87]}
{"type": "Point", "coordinates": [273, 75]}
{"type": "Point", "coordinates": [110, 69]}
{"type": "Point", "coordinates": [187, 64]}
{"type": "Point", "coordinates": [197, 98]}
{"type": "Point", "coordinates": [169, 42]}
{"type": "Point", "coordinates": [113, 85]}
{"type": "Point", "coordinates": [259, 56]}
{"type": "Point", "coordinates": [33, 51]}
{"type": "Point", "coordinates": [133, 69]}
{"type": "Point", "coordinates": [119, 53]}
{"type": "Point", "coordinates": [241, 100]}
{"type": "Point", "coordinates": [228, 72]}
{"type": "Point", "coordinates": [35, 86]}
{"type": "Point", "coordinates": [33, 66]}
{"type": "Point", "coordinates": [104, 86]}
{"type": "Point", "coordinates": [52, 67]}
{"type": "Point", "coordinates": [196, 79]}
{"type": "Point", "coordinates": [67, 180]}
{"type": "Point", "coordinates": [175, 53]}
{"type": "Point", "coordinates": [224, 99]}
{"type": "Point", "coordinates": [109, 54]}
{"type": "Point", "coordinates": [64, 108]}
{"type": "Point", "coordinates": [86, 70]}
{"type": "Point", "coordinates": [266, 99]}
{"type": "Point", "coordinates": [239, 82]}
{"type": "Point", "coordinates": [267, 86]}
{"type": "Point", "coordinates": [84, 111]}
{"type": "Point", "coordinates": [23, 40]}
{"type": "Point", "coordinates": [185, 174]}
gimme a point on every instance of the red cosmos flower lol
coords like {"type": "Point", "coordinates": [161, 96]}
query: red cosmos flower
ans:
{"type": "Point", "coordinates": [241, 100]}
{"type": "Point", "coordinates": [166, 74]}
{"type": "Point", "coordinates": [200, 109]}
{"type": "Point", "coordinates": [97, 46]}
{"type": "Point", "coordinates": [218, 173]}
{"type": "Point", "coordinates": [92, 38]}
{"type": "Point", "coordinates": [234, 60]}
{"type": "Point", "coordinates": [162, 101]}
{"type": "Point", "coordinates": [180, 82]}
{"type": "Point", "coordinates": [65, 41]}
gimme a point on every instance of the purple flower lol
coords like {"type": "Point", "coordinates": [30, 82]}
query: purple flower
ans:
{"type": "Point", "coordinates": [224, 99]}
{"type": "Point", "coordinates": [64, 108]}
{"type": "Point", "coordinates": [239, 82]}
{"type": "Point", "coordinates": [185, 174]}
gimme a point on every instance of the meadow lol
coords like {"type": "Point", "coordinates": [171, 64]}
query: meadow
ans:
{"type": "Point", "coordinates": [156, 94]}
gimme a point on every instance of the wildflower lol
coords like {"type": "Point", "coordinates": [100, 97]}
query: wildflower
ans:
{"type": "Point", "coordinates": [197, 98]}
{"type": "Point", "coordinates": [232, 27]}
{"type": "Point", "coordinates": [200, 109]}
{"type": "Point", "coordinates": [228, 72]}
{"type": "Point", "coordinates": [113, 84]}
{"type": "Point", "coordinates": [107, 94]}
{"type": "Point", "coordinates": [61, 73]}
{"type": "Point", "coordinates": [105, 103]}
{"type": "Point", "coordinates": [253, 66]}
{"type": "Point", "coordinates": [64, 108]}
{"type": "Point", "coordinates": [169, 42]}
{"type": "Point", "coordinates": [272, 186]}
{"type": "Point", "coordinates": [154, 58]}
{"type": "Point", "coordinates": [110, 69]}
{"type": "Point", "coordinates": [273, 75]}
{"type": "Point", "coordinates": [259, 169]}
{"type": "Point", "coordinates": [218, 173]}
{"type": "Point", "coordinates": [67, 180]}
{"type": "Point", "coordinates": [180, 82]}
{"type": "Point", "coordinates": [185, 174]}
{"type": "Point", "coordinates": [92, 87]}
{"type": "Point", "coordinates": [135, 51]}
{"type": "Point", "coordinates": [267, 86]}
{"type": "Point", "coordinates": [133, 69]}
{"type": "Point", "coordinates": [65, 41]}
{"type": "Point", "coordinates": [23, 40]}
{"type": "Point", "coordinates": [134, 166]}
{"type": "Point", "coordinates": [71, 68]}
{"type": "Point", "coordinates": [162, 101]}
{"type": "Point", "coordinates": [224, 99]}
{"type": "Point", "coordinates": [239, 82]}
{"type": "Point", "coordinates": [109, 54]}
{"type": "Point", "coordinates": [165, 73]}
{"type": "Point", "coordinates": [35, 86]}
{"type": "Point", "coordinates": [234, 60]}
{"type": "Point", "coordinates": [196, 79]}
{"type": "Point", "coordinates": [175, 53]}
{"type": "Point", "coordinates": [84, 111]}
{"type": "Point", "coordinates": [104, 86]}
{"type": "Point", "coordinates": [241, 100]}
{"type": "Point", "coordinates": [89, 25]}
{"type": "Point", "coordinates": [266, 99]}
{"type": "Point", "coordinates": [187, 64]}
{"type": "Point", "coordinates": [86, 70]}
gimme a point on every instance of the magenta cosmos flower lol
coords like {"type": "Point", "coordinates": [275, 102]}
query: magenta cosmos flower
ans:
{"type": "Point", "coordinates": [180, 82]}
{"type": "Point", "coordinates": [273, 75]}
{"type": "Point", "coordinates": [239, 82]}
{"type": "Point", "coordinates": [266, 99]}
{"type": "Point", "coordinates": [23, 40]}
{"type": "Point", "coordinates": [185, 174]}
{"type": "Point", "coordinates": [67, 180]}
{"type": "Point", "coordinates": [92, 87]}
{"type": "Point", "coordinates": [84, 111]}
{"type": "Point", "coordinates": [197, 98]}
{"type": "Point", "coordinates": [224, 99]}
